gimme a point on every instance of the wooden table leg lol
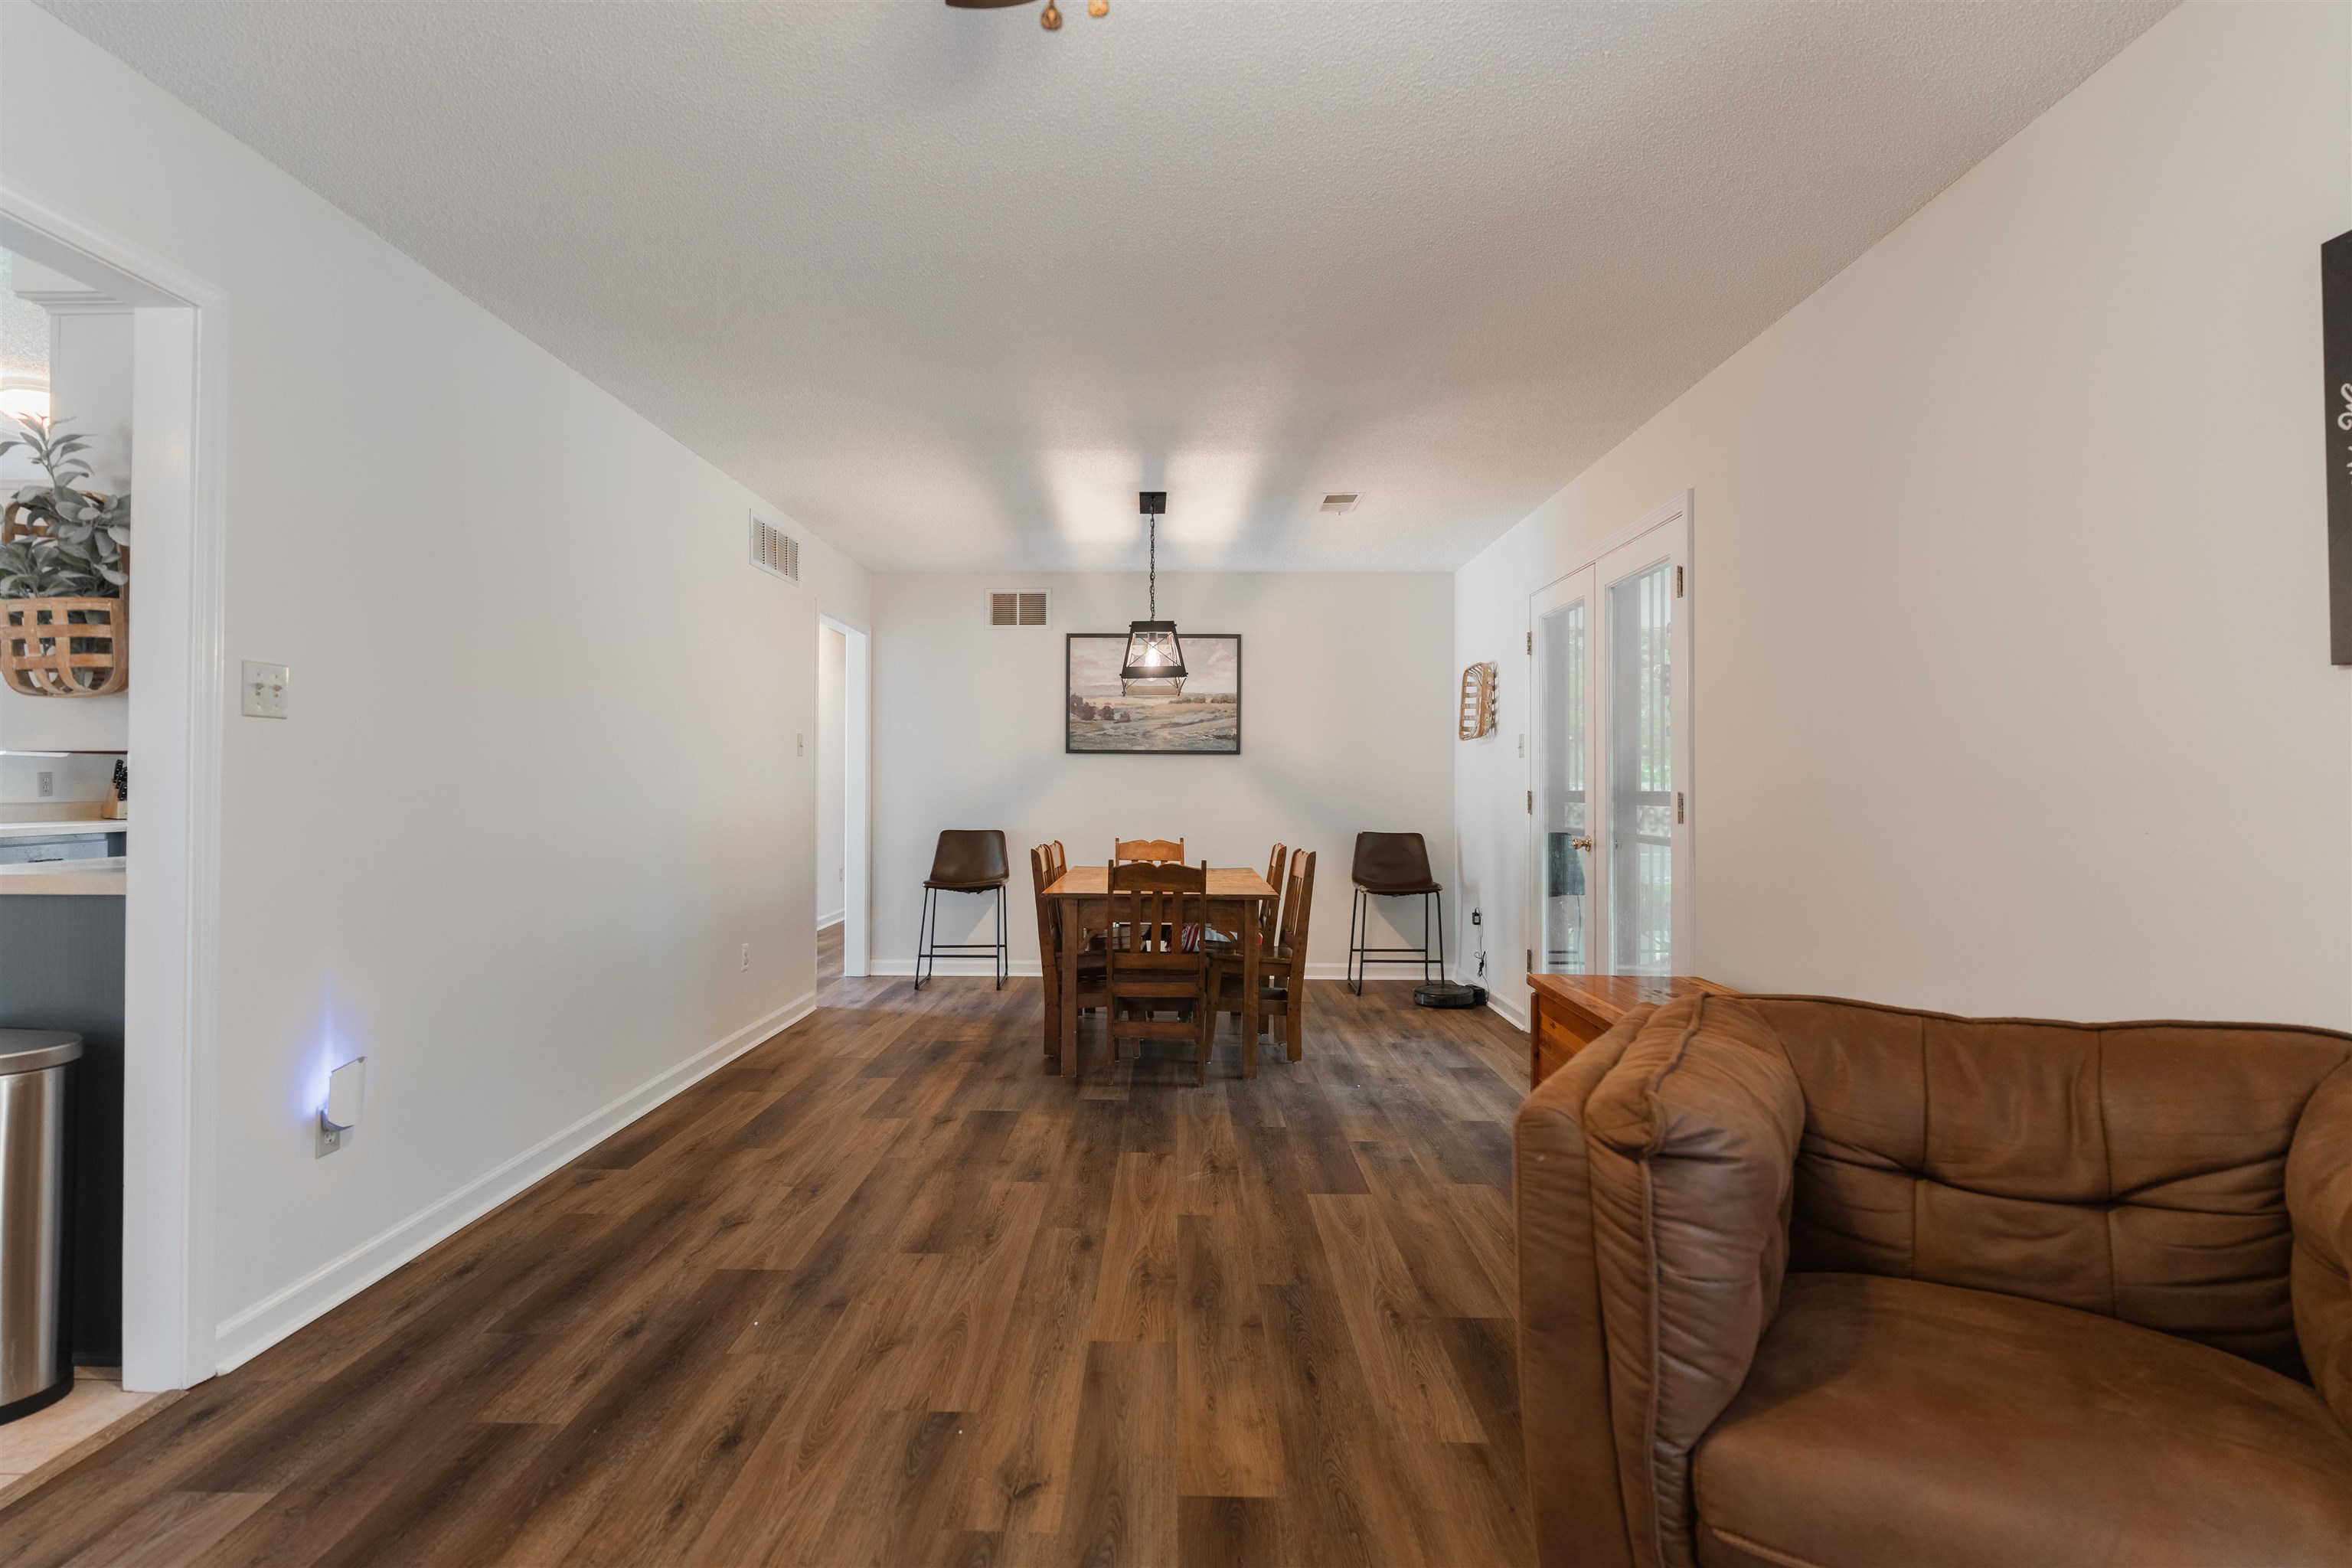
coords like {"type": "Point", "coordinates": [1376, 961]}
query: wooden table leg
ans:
{"type": "Point", "coordinates": [1067, 913]}
{"type": "Point", "coordinates": [1246, 930]}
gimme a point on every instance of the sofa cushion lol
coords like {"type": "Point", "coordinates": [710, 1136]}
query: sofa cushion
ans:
{"type": "Point", "coordinates": [1889, 1420]}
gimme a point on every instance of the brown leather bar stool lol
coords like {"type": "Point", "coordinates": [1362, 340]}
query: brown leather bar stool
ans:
{"type": "Point", "coordinates": [968, 860]}
{"type": "Point", "coordinates": [1392, 866]}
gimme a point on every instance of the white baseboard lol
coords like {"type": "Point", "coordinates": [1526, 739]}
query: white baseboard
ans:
{"type": "Point", "coordinates": [245, 1335]}
{"type": "Point", "coordinates": [833, 919]}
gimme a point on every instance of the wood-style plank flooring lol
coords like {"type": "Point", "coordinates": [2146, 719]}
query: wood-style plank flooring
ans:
{"type": "Point", "coordinates": [884, 1291]}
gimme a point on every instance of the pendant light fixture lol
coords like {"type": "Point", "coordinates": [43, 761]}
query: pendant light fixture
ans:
{"type": "Point", "coordinates": [1155, 657]}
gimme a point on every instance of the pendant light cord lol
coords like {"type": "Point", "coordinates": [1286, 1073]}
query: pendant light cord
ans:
{"type": "Point", "coordinates": [1155, 570]}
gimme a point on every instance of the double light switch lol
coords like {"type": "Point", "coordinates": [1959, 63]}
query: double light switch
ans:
{"type": "Point", "coordinates": [262, 691]}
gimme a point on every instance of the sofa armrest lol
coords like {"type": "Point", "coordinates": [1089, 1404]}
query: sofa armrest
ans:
{"type": "Point", "coordinates": [2319, 1205]}
{"type": "Point", "coordinates": [1691, 1143]}
{"type": "Point", "coordinates": [1573, 1494]}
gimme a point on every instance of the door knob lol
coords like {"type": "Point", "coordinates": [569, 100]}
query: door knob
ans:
{"type": "Point", "coordinates": [1579, 844]}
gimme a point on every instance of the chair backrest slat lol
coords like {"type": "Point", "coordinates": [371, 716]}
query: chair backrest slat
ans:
{"type": "Point", "coordinates": [1041, 872]}
{"type": "Point", "coordinates": [1162, 910]}
{"type": "Point", "coordinates": [1155, 851]}
{"type": "Point", "coordinates": [1298, 903]}
{"type": "Point", "coordinates": [1269, 916]}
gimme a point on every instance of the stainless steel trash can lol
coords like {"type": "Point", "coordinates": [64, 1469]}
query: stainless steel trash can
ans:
{"type": "Point", "coordinates": [36, 1346]}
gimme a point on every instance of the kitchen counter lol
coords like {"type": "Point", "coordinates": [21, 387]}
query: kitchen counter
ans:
{"type": "Point", "coordinates": [65, 824]}
{"type": "Point", "coordinates": [70, 877]}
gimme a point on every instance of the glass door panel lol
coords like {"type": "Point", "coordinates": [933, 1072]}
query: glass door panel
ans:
{"type": "Point", "coordinates": [1562, 805]}
{"type": "Point", "coordinates": [1642, 802]}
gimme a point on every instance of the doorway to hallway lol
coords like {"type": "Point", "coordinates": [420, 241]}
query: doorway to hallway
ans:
{"type": "Point", "coordinates": [844, 725]}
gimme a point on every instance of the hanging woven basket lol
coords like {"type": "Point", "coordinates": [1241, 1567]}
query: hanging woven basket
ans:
{"type": "Point", "coordinates": [64, 647]}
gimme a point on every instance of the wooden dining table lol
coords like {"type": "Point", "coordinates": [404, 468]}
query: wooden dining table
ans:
{"type": "Point", "coordinates": [1081, 900]}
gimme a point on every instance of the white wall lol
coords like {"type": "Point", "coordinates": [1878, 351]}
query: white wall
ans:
{"type": "Point", "coordinates": [1347, 725]}
{"type": "Point", "coordinates": [832, 652]}
{"type": "Point", "coordinates": [2012, 684]}
{"type": "Point", "coordinates": [538, 788]}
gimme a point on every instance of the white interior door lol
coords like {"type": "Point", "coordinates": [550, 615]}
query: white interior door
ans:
{"type": "Point", "coordinates": [1609, 760]}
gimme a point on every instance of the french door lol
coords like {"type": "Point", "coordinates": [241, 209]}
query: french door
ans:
{"type": "Point", "coordinates": [1608, 760]}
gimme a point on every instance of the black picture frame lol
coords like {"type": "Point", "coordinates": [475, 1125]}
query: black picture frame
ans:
{"type": "Point", "coordinates": [1143, 725]}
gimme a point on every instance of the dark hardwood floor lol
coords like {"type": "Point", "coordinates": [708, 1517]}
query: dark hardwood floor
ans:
{"type": "Point", "coordinates": [884, 1291]}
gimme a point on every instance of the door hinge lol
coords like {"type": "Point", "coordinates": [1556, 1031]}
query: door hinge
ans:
{"type": "Point", "coordinates": [1531, 642]}
{"type": "Point", "coordinates": [1531, 960]}
{"type": "Point", "coordinates": [1678, 806]}
{"type": "Point", "coordinates": [1678, 582]}
{"type": "Point", "coordinates": [1531, 803]}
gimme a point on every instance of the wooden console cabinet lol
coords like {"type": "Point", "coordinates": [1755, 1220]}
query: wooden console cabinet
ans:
{"type": "Point", "coordinates": [1568, 1012]}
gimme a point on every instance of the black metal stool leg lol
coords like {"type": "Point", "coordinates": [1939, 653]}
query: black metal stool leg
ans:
{"type": "Point", "coordinates": [1003, 954]}
{"type": "Point", "coordinates": [1439, 936]}
{"type": "Point", "coordinates": [922, 916]}
{"type": "Point", "coordinates": [1355, 908]}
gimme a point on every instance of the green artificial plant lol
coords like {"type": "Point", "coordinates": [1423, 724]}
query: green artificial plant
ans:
{"type": "Point", "coordinates": [72, 543]}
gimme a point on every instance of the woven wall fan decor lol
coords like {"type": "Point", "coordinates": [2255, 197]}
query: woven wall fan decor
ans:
{"type": "Point", "coordinates": [1477, 701]}
{"type": "Point", "coordinates": [64, 647]}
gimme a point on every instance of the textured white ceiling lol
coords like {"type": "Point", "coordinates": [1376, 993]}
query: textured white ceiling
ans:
{"type": "Point", "coordinates": [949, 289]}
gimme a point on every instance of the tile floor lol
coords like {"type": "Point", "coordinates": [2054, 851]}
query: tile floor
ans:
{"type": "Point", "coordinates": [97, 1400]}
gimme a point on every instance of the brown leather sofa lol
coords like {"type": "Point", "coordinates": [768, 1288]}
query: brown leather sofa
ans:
{"type": "Point", "coordinates": [1816, 1284]}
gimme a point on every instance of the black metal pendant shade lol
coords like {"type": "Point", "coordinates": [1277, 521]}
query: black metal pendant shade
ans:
{"type": "Point", "coordinates": [1154, 652]}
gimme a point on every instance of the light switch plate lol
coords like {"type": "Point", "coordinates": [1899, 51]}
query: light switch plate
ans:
{"type": "Point", "coordinates": [262, 690]}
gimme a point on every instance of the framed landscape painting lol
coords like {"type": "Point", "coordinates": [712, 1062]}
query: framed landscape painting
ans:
{"type": "Point", "coordinates": [1200, 715]}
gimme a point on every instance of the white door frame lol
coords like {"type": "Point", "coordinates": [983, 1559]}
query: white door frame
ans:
{"type": "Point", "coordinates": [1615, 559]}
{"type": "Point", "coordinates": [177, 703]}
{"type": "Point", "coordinates": [856, 795]}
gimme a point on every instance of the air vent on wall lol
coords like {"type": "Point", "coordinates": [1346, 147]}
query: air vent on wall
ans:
{"type": "Point", "coordinates": [1340, 502]}
{"type": "Point", "coordinates": [773, 550]}
{"type": "Point", "coordinates": [1016, 608]}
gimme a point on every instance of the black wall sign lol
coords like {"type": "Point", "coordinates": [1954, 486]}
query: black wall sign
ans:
{"type": "Point", "coordinates": [2336, 328]}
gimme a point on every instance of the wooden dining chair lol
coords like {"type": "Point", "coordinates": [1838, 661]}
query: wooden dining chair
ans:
{"type": "Point", "coordinates": [1275, 862]}
{"type": "Point", "coordinates": [1044, 872]}
{"type": "Point", "coordinates": [1150, 967]}
{"type": "Point", "coordinates": [1152, 851]}
{"type": "Point", "coordinates": [1282, 967]}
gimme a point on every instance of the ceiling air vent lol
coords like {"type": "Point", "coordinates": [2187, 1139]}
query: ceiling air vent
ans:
{"type": "Point", "coordinates": [1342, 503]}
{"type": "Point", "coordinates": [1016, 608]}
{"type": "Point", "coordinates": [773, 550]}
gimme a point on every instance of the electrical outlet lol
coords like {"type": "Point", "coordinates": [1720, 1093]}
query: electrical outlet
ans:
{"type": "Point", "coordinates": [261, 691]}
{"type": "Point", "coordinates": [747, 955]}
{"type": "Point", "coordinates": [45, 783]}
{"type": "Point", "coordinates": [330, 1139]}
